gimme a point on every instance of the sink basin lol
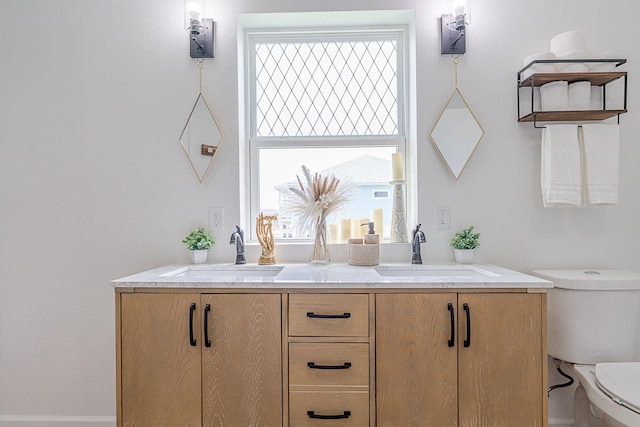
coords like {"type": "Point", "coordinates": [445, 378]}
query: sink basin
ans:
{"type": "Point", "coordinates": [444, 271]}
{"type": "Point", "coordinates": [209, 271]}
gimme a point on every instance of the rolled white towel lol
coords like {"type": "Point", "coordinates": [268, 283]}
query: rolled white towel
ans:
{"type": "Point", "coordinates": [569, 41]}
{"type": "Point", "coordinates": [554, 96]}
{"type": "Point", "coordinates": [538, 68]}
{"type": "Point", "coordinates": [561, 179]}
{"type": "Point", "coordinates": [573, 67]}
{"type": "Point", "coordinates": [525, 102]}
{"type": "Point", "coordinates": [603, 66]}
{"type": "Point", "coordinates": [579, 96]}
{"type": "Point", "coordinates": [601, 144]}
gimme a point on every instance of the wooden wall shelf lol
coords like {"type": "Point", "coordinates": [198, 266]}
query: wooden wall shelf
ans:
{"type": "Point", "coordinates": [566, 116]}
{"type": "Point", "coordinates": [597, 79]}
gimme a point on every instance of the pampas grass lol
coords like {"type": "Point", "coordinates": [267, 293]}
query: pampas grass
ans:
{"type": "Point", "coordinates": [318, 197]}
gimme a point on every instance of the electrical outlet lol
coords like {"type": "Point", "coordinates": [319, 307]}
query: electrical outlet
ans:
{"type": "Point", "coordinates": [216, 219]}
{"type": "Point", "coordinates": [443, 218]}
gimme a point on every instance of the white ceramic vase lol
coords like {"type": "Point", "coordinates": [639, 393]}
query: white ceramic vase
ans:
{"type": "Point", "coordinates": [198, 256]}
{"type": "Point", "coordinates": [463, 256]}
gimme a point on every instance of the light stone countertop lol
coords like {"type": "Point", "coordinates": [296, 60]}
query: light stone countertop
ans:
{"type": "Point", "coordinates": [318, 276]}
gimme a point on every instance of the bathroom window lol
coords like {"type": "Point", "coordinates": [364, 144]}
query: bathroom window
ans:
{"type": "Point", "coordinates": [332, 98]}
{"type": "Point", "coordinates": [326, 85]}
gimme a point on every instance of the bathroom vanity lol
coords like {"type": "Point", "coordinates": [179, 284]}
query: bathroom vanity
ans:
{"type": "Point", "coordinates": [331, 345]}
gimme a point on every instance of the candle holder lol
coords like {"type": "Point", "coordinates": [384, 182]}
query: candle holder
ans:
{"type": "Point", "coordinates": [398, 215]}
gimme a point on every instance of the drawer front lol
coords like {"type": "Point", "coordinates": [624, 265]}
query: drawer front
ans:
{"type": "Point", "coordinates": [329, 315]}
{"type": "Point", "coordinates": [338, 364]}
{"type": "Point", "coordinates": [328, 409]}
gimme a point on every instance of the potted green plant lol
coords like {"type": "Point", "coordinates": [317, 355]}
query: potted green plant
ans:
{"type": "Point", "coordinates": [198, 242]}
{"type": "Point", "coordinates": [463, 244]}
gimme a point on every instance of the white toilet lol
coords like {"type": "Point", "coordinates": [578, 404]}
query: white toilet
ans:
{"type": "Point", "coordinates": [593, 324]}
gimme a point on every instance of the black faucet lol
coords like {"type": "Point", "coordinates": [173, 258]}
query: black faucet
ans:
{"type": "Point", "coordinates": [237, 238]}
{"type": "Point", "coordinates": [418, 237]}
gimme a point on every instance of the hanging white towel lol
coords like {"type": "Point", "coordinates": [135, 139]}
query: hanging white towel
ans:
{"type": "Point", "coordinates": [560, 171]}
{"type": "Point", "coordinates": [601, 144]}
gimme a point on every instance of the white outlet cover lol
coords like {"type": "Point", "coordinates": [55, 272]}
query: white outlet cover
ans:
{"type": "Point", "coordinates": [216, 219]}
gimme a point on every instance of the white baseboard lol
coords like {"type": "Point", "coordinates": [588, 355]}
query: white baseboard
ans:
{"type": "Point", "coordinates": [55, 421]}
{"type": "Point", "coordinates": [561, 422]}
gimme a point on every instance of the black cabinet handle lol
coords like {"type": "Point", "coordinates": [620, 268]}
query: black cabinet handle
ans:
{"type": "Point", "coordinates": [192, 339]}
{"type": "Point", "coordinates": [452, 340]}
{"type": "Point", "coordinates": [467, 340]}
{"type": "Point", "coordinates": [345, 365]}
{"type": "Point", "coordinates": [207, 341]}
{"type": "Point", "coordinates": [312, 414]}
{"type": "Point", "coordinates": [311, 314]}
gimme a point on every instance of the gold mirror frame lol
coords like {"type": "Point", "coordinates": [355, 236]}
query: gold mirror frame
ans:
{"type": "Point", "coordinates": [201, 137]}
{"type": "Point", "coordinates": [457, 133]}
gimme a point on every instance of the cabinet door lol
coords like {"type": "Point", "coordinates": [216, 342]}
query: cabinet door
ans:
{"type": "Point", "coordinates": [501, 370]}
{"type": "Point", "coordinates": [416, 369]}
{"type": "Point", "coordinates": [160, 369]}
{"type": "Point", "coordinates": [242, 369]}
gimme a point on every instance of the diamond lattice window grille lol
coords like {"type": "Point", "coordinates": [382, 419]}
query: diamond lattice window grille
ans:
{"type": "Point", "coordinates": [326, 88]}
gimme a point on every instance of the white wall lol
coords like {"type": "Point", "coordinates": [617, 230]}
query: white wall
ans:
{"type": "Point", "coordinates": [94, 185]}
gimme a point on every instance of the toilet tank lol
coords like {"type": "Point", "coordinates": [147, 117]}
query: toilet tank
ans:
{"type": "Point", "coordinates": [592, 315]}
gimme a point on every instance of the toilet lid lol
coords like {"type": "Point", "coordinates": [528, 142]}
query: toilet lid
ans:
{"type": "Point", "coordinates": [621, 381]}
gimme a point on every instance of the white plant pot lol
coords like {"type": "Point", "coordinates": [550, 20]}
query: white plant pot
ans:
{"type": "Point", "coordinates": [198, 256]}
{"type": "Point", "coordinates": [463, 256]}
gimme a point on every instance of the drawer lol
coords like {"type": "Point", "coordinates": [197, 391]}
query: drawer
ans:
{"type": "Point", "coordinates": [328, 409]}
{"type": "Point", "coordinates": [337, 364]}
{"type": "Point", "coordinates": [329, 315]}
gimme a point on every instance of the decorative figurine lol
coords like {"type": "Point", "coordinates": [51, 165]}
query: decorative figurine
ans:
{"type": "Point", "coordinates": [264, 225]}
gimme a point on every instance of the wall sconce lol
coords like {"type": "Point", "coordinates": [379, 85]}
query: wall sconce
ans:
{"type": "Point", "coordinates": [452, 27]}
{"type": "Point", "coordinates": [200, 29]}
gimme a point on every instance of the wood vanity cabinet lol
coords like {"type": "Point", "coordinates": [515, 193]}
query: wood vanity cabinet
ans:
{"type": "Point", "coordinates": [329, 360]}
{"type": "Point", "coordinates": [328, 357]}
{"type": "Point", "coordinates": [416, 368]}
{"type": "Point", "coordinates": [461, 359]}
{"type": "Point", "coordinates": [173, 372]}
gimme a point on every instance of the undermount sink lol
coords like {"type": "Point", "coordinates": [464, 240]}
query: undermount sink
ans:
{"type": "Point", "coordinates": [209, 271]}
{"type": "Point", "coordinates": [456, 271]}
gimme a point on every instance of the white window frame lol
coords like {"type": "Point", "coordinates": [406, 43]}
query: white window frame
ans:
{"type": "Point", "coordinates": [276, 27]}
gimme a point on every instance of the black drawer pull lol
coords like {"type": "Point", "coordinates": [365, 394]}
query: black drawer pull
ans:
{"type": "Point", "coordinates": [345, 365]}
{"type": "Point", "coordinates": [207, 341]}
{"type": "Point", "coordinates": [467, 341]}
{"type": "Point", "coordinates": [312, 315]}
{"type": "Point", "coordinates": [312, 414]}
{"type": "Point", "coordinates": [192, 339]}
{"type": "Point", "coordinates": [452, 340]}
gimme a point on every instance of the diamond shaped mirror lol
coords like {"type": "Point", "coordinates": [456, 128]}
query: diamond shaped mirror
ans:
{"type": "Point", "coordinates": [457, 133]}
{"type": "Point", "coordinates": [201, 137]}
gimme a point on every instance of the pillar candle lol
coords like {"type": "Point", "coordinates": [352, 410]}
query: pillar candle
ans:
{"type": "Point", "coordinates": [377, 221]}
{"type": "Point", "coordinates": [345, 230]}
{"type": "Point", "coordinates": [364, 227]}
{"type": "Point", "coordinates": [397, 165]}
{"type": "Point", "coordinates": [334, 233]}
{"type": "Point", "coordinates": [355, 228]}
